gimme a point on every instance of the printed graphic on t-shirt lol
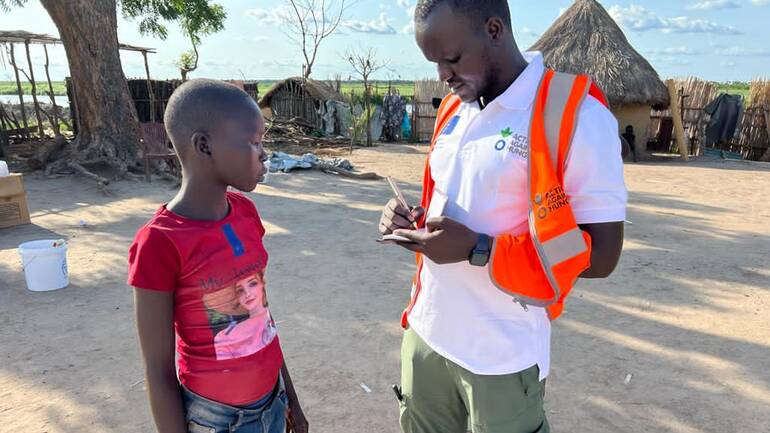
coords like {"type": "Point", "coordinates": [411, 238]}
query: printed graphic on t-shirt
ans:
{"type": "Point", "coordinates": [239, 318]}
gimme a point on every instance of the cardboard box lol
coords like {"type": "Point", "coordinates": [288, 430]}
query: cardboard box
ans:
{"type": "Point", "coordinates": [13, 201]}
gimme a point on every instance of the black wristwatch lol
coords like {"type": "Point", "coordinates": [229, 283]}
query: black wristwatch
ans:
{"type": "Point", "coordinates": [482, 250]}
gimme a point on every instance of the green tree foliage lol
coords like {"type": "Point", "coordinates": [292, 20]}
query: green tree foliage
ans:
{"type": "Point", "coordinates": [197, 18]}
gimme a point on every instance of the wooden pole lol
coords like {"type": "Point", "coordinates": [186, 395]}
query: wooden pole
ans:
{"type": "Point", "coordinates": [20, 92]}
{"type": "Point", "coordinates": [149, 88]}
{"type": "Point", "coordinates": [34, 91]}
{"type": "Point", "coordinates": [766, 156]}
{"type": "Point", "coordinates": [676, 115]}
{"type": "Point", "coordinates": [55, 123]}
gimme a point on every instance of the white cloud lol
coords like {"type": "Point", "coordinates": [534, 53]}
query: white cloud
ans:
{"type": "Point", "coordinates": [760, 2]}
{"type": "Point", "coordinates": [707, 5]}
{"type": "Point", "coordinates": [671, 60]}
{"type": "Point", "coordinates": [640, 19]}
{"type": "Point", "coordinates": [728, 64]}
{"type": "Point", "coordinates": [380, 26]}
{"type": "Point", "coordinates": [680, 51]}
{"type": "Point", "coordinates": [268, 17]}
{"type": "Point", "coordinates": [737, 51]}
{"type": "Point", "coordinates": [408, 8]}
{"type": "Point", "coordinates": [218, 64]}
{"type": "Point", "coordinates": [527, 32]}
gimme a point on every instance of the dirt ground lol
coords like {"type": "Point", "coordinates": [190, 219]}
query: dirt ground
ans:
{"type": "Point", "coordinates": [685, 315]}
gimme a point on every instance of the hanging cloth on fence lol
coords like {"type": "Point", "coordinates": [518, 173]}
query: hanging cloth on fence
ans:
{"type": "Point", "coordinates": [725, 113]}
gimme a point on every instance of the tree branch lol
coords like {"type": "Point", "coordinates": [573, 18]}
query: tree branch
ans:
{"type": "Point", "coordinates": [308, 32]}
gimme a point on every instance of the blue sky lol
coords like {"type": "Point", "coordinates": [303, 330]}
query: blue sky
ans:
{"type": "Point", "coordinates": [714, 39]}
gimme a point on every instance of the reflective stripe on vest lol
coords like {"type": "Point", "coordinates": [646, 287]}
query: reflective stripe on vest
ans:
{"type": "Point", "coordinates": [554, 117]}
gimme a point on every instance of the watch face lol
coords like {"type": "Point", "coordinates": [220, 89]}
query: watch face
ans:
{"type": "Point", "coordinates": [479, 259]}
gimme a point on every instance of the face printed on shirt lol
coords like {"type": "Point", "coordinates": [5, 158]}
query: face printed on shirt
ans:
{"type": "Point", "coordinates": [244, 297]}
{"type": "Point", "coordinates": [251, 293]}
{"type": "Point", "coordinates": [239, 318]}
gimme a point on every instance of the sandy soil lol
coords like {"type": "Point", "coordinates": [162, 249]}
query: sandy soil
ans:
{"type": "Point", "coordinates": [686, 314]}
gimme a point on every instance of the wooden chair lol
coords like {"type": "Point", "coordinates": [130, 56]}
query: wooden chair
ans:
{"type": "Point", "coordinates": [156, 146]}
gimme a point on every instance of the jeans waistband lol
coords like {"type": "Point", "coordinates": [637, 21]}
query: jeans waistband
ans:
{"type": "Point", "coordinates": [224, 409]}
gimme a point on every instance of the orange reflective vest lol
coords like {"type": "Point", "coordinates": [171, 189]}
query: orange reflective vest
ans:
{"type": "Point", "coordinates": [540, 267]}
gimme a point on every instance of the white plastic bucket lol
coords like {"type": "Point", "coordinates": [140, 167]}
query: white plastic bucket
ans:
{"type": "Point", "coordinates": [4, 169]}
{"type": "Point", "coordinates": [45, 265]}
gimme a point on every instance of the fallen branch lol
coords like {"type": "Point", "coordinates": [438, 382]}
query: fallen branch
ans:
{"type": "Point", "coordinates": [44, 152]}
{"type": "Point", "coordinates": [71, 167]}
{"type": "Point", "coordinates": [327, 168]}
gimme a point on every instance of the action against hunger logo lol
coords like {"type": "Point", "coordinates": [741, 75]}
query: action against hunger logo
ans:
{"type": "Point", "coordinates": [518, 145]}
{"type": "Point", "coordinates": [555, 199]}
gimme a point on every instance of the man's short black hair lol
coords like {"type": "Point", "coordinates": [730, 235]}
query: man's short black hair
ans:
{"type": "Point", "coordinates": [480, 9]}
{"type": "Point", "coordinates": [201, 105]}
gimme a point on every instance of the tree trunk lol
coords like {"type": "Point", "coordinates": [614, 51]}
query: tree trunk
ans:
{"type": "Point", "coordinates": [368, 114]}
{"type": "Point", "coordinates": [109, 129]}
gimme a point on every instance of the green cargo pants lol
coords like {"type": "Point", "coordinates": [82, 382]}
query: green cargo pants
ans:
{"type": "Point", "coordinates": [441, 397]}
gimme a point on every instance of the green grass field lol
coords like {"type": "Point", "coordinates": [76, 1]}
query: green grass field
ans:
{"type": "Point", "coordinates": [379, 87]}
{"type": "Point", "coordinates": [9, 88]}
{"type": "Point", "coordinates": [406, 88]}
{"type": "Point", "coordinates": [735, 88]}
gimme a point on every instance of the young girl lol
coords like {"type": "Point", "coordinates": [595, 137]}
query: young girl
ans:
{"type": "Point", "coordinates": [197, 267]}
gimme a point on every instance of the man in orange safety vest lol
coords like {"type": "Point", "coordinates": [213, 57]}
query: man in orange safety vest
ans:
{"type": "Point", "coordinates": [523, 194]}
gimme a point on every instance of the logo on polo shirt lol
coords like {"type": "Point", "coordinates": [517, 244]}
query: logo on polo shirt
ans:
{"type": "Point", "coordinates": [516, 144]}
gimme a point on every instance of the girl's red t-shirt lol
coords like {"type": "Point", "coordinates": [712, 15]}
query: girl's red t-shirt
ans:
{"type": "Point", "coordinates": [226, 338]}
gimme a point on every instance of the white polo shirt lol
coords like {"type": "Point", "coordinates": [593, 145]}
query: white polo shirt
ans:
{"type": "Point", "coordinates": [480, 164]}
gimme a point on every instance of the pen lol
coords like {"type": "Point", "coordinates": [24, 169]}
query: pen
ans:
{"type": "Point", "coordinates": [400, 198]}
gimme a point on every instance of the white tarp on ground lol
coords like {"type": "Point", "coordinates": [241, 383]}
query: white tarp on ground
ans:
{"type": "Point", "coordinates": [284, 162]}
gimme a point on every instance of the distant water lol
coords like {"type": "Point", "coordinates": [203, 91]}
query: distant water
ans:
{"type": "Point", "coordinates": [61, 101]}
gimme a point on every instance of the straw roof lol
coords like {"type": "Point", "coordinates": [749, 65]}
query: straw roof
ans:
{"type": "Point", "coordinates": [315, 89]}
{"type": "Point", "coordinates": [759, 93]}
{"type": "Point", "coordinates": [23, 36]}
{"type": "Point", "coordinates": [586, 40]}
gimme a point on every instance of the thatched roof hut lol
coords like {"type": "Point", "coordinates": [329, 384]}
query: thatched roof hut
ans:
{"type": "Point", "coordinates": [311, 88]}
{"type": "Point", "coordinates": [295, 98]}
{"type": "Point", "coordinates": [586, 40]}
